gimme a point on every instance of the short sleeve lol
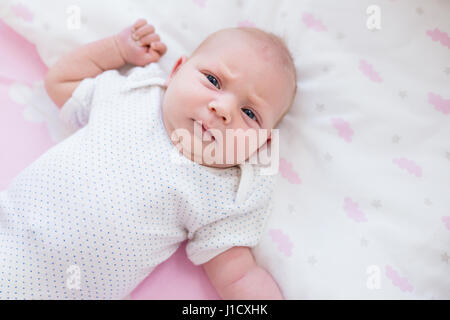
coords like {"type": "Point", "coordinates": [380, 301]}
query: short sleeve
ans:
{"type": "Point", "coordinates": [75, 112]}
{"type": "Point", "coordinates": [77, 109]}
{"type": "Point", "coordinates": [244, 227]}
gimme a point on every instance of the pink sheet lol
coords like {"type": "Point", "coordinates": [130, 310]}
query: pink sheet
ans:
{"type": "Point", "coordinates": [21, 142]}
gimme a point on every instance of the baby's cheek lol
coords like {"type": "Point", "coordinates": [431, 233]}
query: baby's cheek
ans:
{"type": "Point", "coordinates": [179, 97]}
{"type": "Point", "coordinates": [240, 145]}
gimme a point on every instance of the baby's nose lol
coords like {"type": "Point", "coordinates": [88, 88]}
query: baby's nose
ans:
{"type": "Point", "coordinates": [222, 112]}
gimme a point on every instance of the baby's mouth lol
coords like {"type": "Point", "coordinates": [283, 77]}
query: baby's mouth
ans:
{"type": "Point", "coordinates": [206, 132]}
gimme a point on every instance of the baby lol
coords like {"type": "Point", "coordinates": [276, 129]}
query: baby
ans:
{"type": "Point", "coordinates": [95, 214]}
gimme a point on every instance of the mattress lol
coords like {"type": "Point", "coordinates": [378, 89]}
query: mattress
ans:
{"type": "Point", "coordinates": [362, 206]}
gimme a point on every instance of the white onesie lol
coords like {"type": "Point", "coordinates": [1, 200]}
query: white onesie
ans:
{"type": "Point", "coordinates": [95, 214]}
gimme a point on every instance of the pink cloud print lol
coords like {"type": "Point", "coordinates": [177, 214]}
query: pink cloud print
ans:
{"type": "Point", "coordinates": [22, 12]}
{"type": "Point", "coordinates": [288, 173]}
{"type": "Point", "coordinates": [441, 36]}
{"type": "Point", "coordinates": [401, 282]}
{"type": "Point", "coordinates": [439, 103]}
{"type": "Point", "coordinates": [343, 128]}
{"type": "Point", "coordinates": [446, 221]}
{"type": "Point", "coordinates": [284, 243]}
{"type": "Point", "coordinates": [409, 165]}
{"type": "Point", "coordinates": [353, 211]}
{"type": "Point", "coordinates": [313, 23]}
{"type": "Point", "coordinates": [246, 23]}
{"type": "Point", "coordinates": [369, 72]}
{"type": "Point", "coordinates": [200, 3]}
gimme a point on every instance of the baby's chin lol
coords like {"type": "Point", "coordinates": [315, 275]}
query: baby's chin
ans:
{"type": "Point", "coordinates": [207, 153]}
{"type": "Point", "coordinates": [219, 166]}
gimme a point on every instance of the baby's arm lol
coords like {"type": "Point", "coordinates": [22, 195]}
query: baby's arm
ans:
{"type": "Point", "coordinates": [137, 44]}
{"type": "Point", "coordinates": [236, 276]}
{"type": "Point", "coordinates": [84, 62]}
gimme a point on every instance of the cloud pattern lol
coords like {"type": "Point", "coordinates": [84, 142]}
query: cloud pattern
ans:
{"type": "Point", "coordinates": [200, 3]}
{"type": "Point", "coordinates": [446, 221]}
{"type": "Point", "coordinates": [285, 245]}
{"type": "Point", "coordinates": [343, 128]}
{"type": "Point", "coordinates": [368, 71]}
{"type": "Point", "coordinates": [353, 211]}
{"type": "Point", "coordinates": [23, 12]}
{"type": "Point", "coordinates": [440, 36]}
{"type": "Point", "coordinates": [439, 103]}
{"type": "Point", "coordinates": [313, 23]}
{"type": "Point", "coordinates": [401, 282]}
{"type": "Point", "coordinates": [409, 165]}
{"type": "Point", "coordinates": [289, 173]}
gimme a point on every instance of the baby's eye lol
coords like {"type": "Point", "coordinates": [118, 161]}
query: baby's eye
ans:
{"type": "Point", "coordinates": [213, 80]}
{"type": "Point", "coordinates": [250, 113]}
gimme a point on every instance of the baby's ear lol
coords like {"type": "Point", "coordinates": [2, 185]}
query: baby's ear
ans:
{"type": "Point", "coordinates": [181, 60]}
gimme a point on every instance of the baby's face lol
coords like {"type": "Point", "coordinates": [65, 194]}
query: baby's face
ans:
{"type": "Point", "coordinates": [232, 83]}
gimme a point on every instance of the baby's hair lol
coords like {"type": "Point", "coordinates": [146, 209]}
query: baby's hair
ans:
{"type": "Point", "coordinates": [276, 42]}
{"type": "Point", "coordinates": [280, 44]}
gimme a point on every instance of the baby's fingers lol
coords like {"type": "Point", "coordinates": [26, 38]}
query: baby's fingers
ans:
{"type": "Point", "coordinates": [143, 31]}
{"type": "Point", "coordinates": [159, 47]}
{"type": "Point", "coordinates": [138, 24]}
{"type": "Point", "coordinates": [152, 56]}
{"type": "Point", "coordinates": [148, 39]}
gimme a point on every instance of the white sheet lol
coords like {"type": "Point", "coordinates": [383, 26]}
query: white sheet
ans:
{"type": "Point", "coordinates": [362, 207]}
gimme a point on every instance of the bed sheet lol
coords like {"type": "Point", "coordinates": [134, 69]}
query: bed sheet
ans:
{"type": "Point", "coordinates": [362, 206]}
{"type": "Point", "coordinates": [25, 134]}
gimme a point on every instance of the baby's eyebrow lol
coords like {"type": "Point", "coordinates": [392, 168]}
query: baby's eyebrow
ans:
{"type": "Point", "coordinates": [257, 99]}
{"type": "Point", "coordinates": [254, 98]}
{"type": "Point", "coordinates": [225, 71]}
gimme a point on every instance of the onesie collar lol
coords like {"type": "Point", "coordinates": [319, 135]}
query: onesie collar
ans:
{"type": "Point", "coordinates": [149, 75]}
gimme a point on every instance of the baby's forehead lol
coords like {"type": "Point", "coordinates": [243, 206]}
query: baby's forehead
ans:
{"type": "Point", "coordinates": [242, 64]}
{"type": "Point", "coordinates": [238, 42]}
{"type": "Point", "coordinates": [238, 50]}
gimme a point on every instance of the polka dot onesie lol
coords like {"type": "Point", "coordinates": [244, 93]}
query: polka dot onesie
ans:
{"type": "Point", "coordinates": [95, 214]}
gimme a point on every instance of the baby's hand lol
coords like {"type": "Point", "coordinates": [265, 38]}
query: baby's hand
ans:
{"type": "Point", "coordinates": [139, 45]}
